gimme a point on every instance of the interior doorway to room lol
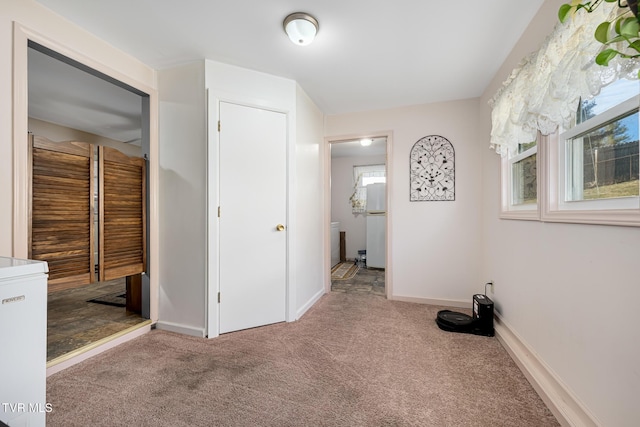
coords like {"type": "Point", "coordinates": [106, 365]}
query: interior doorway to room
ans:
{"type": "Point", "coordinates": [358, 230]}
{"type": "Point", "coordinates": [89, 139]}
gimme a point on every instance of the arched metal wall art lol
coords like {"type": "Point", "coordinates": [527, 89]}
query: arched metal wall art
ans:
{"type": "Point", "coordinates": [432, 163]}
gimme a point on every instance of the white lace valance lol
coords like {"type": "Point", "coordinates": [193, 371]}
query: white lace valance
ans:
{"type": "Point", "coordinates": [543, 92]}
{"type": "Point", "coordinates": [362, 174]}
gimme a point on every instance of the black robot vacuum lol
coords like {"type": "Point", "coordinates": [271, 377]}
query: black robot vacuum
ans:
{"type": "Point", "coordinates": [481, 323]}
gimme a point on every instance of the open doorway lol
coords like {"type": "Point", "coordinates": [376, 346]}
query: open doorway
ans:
{"type": "Point", "coordinates": [69, 103]}
{"type": "Point", "coordinates": [358, 229]}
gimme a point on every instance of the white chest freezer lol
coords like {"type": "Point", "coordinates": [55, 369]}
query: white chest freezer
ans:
{"type": "Point", "coordinates": [23, 337]}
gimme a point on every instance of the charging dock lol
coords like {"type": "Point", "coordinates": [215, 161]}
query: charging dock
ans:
{"type": "Point", "coordinates": [481, 323]}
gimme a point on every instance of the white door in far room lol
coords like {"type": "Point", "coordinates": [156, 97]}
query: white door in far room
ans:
{"type": "Point", "coordinates": [253, 200]}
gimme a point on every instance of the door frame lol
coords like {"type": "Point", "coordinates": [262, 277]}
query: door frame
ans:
{"type": "Point", "coordinates": [239, 307]}
{"type": "Point", "coordinates": [22, 36]}
{"type": "Point", "coordinates": [213, 100]}
{"type": "Point", "coordinates": [328, 140]}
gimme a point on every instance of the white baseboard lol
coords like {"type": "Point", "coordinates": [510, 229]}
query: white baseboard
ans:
{"type": "Point", "coordinates": [564, 405]}
{"type": "Point", "coordinates": [84, 353]}
{"type": "Point", "coordinates": [431, 301]}
{"type": "Point", "coordinates": [314, 299]}
{"type": "Point", "coordinates": [181, 329]}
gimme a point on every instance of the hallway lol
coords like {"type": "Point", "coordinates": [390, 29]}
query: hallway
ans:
{"type": "Point", "coordinates": [366, 281]}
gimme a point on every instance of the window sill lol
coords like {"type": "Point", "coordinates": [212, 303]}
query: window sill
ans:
{"type": "Point", "coordinates": [525, 215]}
{"type": "Point", "coordinates": [621, 217]}
{"type": "Point", "coordinates": [627, 217]}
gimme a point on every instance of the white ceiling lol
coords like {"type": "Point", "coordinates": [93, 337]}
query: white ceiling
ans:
{"type": "Point", "coordinates": [62, 94]}
{"type": "Point", "coordinates": [353, 148]}
{"type": "Point", "coordinates": [369, 54]}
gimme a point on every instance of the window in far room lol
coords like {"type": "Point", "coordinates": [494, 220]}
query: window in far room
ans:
{"type": "Point", "coordinates": [363, 176]}
{"type": "Point", "coordinates": [366, 180]}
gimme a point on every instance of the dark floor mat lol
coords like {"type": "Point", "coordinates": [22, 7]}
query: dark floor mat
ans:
{"type": "Point", "coordinates": [117, 300]}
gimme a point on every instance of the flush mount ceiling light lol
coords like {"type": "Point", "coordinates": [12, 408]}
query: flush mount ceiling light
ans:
{"type": "Point", "coordinates": [301, 28]}
{"type": "Point", "coordinates": [366, 142]}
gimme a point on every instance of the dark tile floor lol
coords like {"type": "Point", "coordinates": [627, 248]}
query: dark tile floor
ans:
{"type": "Point", "coordinates": [72, 322]}
{"type": "Point", "coordinates": [366, 281]}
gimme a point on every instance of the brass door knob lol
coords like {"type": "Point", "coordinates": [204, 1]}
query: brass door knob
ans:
{"type": "Point", "coordinates": [280, 227]}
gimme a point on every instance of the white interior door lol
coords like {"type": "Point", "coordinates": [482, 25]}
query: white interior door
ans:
{"type": "Point", "coordinates": [253, 197]}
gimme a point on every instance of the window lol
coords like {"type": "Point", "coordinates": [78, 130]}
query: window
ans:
{"type": "Point", "coordinates": [524, 178]}
{"type": "Point", "coordinates": [588, 173]}
{"type": "Point", "coordinates": [363, 176]}
{"type": "Point", "coordinates": [594, 166]}
{"type": "Point", "coordinates": [520, 182]}
{"type": "Point", "coordinates": [602, 162]}
{"type": "Point", "coordinates": [366, 180]}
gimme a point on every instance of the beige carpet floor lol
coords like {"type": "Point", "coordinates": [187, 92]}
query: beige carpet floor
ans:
{"type": "Point", "coordinates": [352, 360]}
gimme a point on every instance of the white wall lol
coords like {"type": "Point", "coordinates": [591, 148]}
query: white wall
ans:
{"type": "Point", "coordinates": [183, 180]}
{"type": "Point", "coordinates": [183, 159]}
{"type": "Point", "coordinates": [435, 245]}
{"type": "Point", "coordinates": [234, 84]}
{"type": "Point", "coordinates": [59, 133]}
{"type": "Point", "coordinates": [570, 292]}
{"type": "Point", "coordinates": [354, 225]}
{"type": "Point", "coordinates": [308, 243]}
{"type": "Point", "coordinates": [189, 99]}
{"type": "Point", "coordinates": [32, 15]}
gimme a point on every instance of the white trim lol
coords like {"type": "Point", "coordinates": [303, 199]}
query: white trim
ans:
{"type": "Point", "coordinates": [181, 329]}
{"type": "Point", "coordinates": [314, 299]}
{"type": "Point", "coordinates": [521, 156]}
{"type": "Point", "coordinates": [20, 226]}
{"type": "Point", "coordinates": [601, 119]}
{"type": "Point", "coordinates": [327, 215]}
{"type": "Point", "coordinates": [215, 96]}
{"type": "Point", "coordinates": [613, 114]}
{"type": "Point", "coordinates": [83, 355]}
{"type": "Point", "coordinates": [212, 267]}
{"type": "Point", "coordinates": [528, 212]}
{"type": "Point", "coordinates": [599, 205]}
{"type": "Point", "coordinates": [564, 405]}
{"type": "Point", "coordinates": [433, 301]}
{"type": "Point", "coordinates": [525, 215]}
{"type": "Point", "coordinates": [20, 229]}
{"type": "Point", "coordinates": [552, 204]}
{"type": "Point", "coordinates": [388, 134]}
